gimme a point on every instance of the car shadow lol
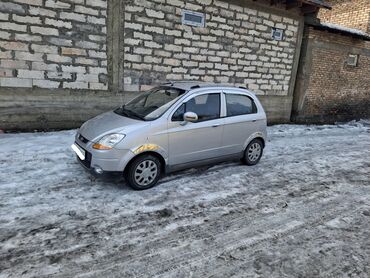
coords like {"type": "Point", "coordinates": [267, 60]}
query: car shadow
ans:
{"type": "Point", "coordinates": [116, 180]}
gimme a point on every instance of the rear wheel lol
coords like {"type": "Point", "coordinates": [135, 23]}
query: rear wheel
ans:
{"type": "Point", "coordinates": [253, 152]}
{"type": "Point", "coordinates": [143, 172]}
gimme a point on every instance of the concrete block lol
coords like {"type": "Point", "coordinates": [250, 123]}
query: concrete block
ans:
{"type": "Point", "coordinates": [78, 69]}
{"type": "Point", "coordinates": [75, 85]}
{"type": "Point", "coordinates": [13, 45]}
{"type": "Point", "coordinates": [58, 58]}
{"type": "Point", "coordinates": [73, 51]}
{"type": "Point", "coordinates": [73, 16]}
{"type": "Point", "coordinates": [44, 66]}
{"type": "Point", "coordinates": [6, 72]}
{"type": "Point", "coordinates": [46, 84]}
{"type": "Point", "coordinates": [85, 10]}
{"type": "Point", "coordinates": [11, 7]}
{"type": "Point", "coordinates": [143, 36]}
{"type": "Point", "coordinates": [82, 77]}
{"type": "Point", "coordinates": [32, 74]}
{"type": "Point", "coordinates": [15, 82]}
{"type": "Point", "coordinates": [154, 13]}
{"type": "Point", "coordinates": [41, 11]}
{"type": "Point", "coordinates": [55, 4]}
{"type": "Point", "coordinates": [26, 56]}
{"type": "Point", "coordinates": [86, 61]}
{"type": "Point", "coordinates": [12, 64]}
{"type": "Point", "coordinates": [97, 54]}
{"type": "Point", "coordinates": [44, 31]}
{"type": "Point", "coordinates": [58, 23]}
{"type": "Point", "coordinates": [59, 75]}
{"type": "Point", "coordinates": [97, 3]}
{"type": "Point", "coordinates": [39, 48]}
{"type": "Point", "coordinates": [98, 70]}
{"type": "Point", "coordinates": [98, 86]}
{"type": "Point", "coordinates": [96, 20]}
{"type": "Point", "coordinates": [152, 44]}
{"type": "Point", "coordinates": [30, 2]}
{"type": "Point", "coordinates": [13, 26]}
{"type": "Point", "coordinates": [27, 37]}
{"type": "Point", "coordinates": [27, 19]}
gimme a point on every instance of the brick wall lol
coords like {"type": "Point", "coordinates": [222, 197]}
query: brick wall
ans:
{"type": "Point", "coordinates": [53, 44]}
{"type": "Point", "coordinates": [235, 46]}
{"type": "Point", "coordinates": [328, 89]}
{"type": "Point", "coordinates": [349, 13]}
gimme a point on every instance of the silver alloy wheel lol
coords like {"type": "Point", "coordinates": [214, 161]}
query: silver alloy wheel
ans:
{"type": "Point", "coordinates": [146, 172]}
{"type": "Point", "coordinates": [254, 152]}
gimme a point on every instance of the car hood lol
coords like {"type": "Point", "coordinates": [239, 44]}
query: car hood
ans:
{"type": "Point", "coordinates": [107, 123]}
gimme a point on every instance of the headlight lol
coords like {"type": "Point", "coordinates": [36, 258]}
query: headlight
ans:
{"type": "Point", "coordinates": [108, 141]}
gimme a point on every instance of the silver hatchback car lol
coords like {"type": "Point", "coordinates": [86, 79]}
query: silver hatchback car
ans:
{"type": "Point", "coordinates": [174, 126]}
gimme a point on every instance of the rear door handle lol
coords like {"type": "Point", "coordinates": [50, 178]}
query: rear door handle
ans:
{"type": "Point", "coordinates": [215, 125]}
{"type": "Point", "coordinates": [254, 121]}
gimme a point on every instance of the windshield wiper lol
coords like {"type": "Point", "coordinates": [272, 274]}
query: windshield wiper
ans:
{"type": "Point", "coordinates": [130, 113]}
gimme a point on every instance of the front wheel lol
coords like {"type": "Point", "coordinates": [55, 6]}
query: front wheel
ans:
{"type": "Point", "coordinates": [143, 172]}
{"type": "Point", "coordinates": [253, 152]}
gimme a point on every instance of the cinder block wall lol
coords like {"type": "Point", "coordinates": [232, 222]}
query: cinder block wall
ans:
{"type": "Point", "coordinates": [53, 44]}
{"type": "Point", "coordinates": [234, 47]}
{"type": "Point", "coordinates": [353, 14]}
{"type": "Point", "coordinates": [328, 89]}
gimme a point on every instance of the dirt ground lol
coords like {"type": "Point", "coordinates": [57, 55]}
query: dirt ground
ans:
{"type": "Point", "coordinates": [304, 211]}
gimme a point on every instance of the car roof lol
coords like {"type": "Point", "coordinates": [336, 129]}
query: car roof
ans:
{"type": "Point", "coordinates": [189, 85]}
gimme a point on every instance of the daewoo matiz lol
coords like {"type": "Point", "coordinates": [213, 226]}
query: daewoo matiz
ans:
{"type": "Point", "coordinates": [173, 126]}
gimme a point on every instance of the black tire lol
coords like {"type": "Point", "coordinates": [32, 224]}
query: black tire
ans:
{"type": "Point", "coordinates": [252, 149]}
{"type": "Point", "coordinates": [132, 172]}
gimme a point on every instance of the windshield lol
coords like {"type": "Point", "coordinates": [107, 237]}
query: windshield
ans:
{"type": "Point", "coordinates": [150, 105]}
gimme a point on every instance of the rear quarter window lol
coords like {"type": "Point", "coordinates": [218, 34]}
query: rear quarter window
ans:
{"type": "Point", "coordinates": [239, 105]}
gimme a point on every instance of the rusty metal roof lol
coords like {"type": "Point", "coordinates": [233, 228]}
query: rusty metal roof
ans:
{"type": "Point", "coordinates": [334, 28]}
{"type": "Point", "coordinates": [307, 6]}
{"type": "Point", "coordinates": [320, 3]}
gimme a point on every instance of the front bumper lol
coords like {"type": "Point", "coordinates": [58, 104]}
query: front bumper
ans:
{"type": "Point", "coordinates": [98, 172]}
{"type": "Point", "coordinates": [100, 161]}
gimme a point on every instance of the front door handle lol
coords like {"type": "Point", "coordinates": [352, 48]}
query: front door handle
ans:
{"type": "Point", "coordinates": [215, 125]}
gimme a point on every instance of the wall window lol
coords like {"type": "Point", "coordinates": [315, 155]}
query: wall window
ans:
{"type": "Point", "coordinates": [207, 107]}
{"type": "Point", "coordinates": [239, 105]}
{"type": "Point", "coordinates": [193, 18]}
{"type": "Point", "coordinates": [352, 60]}
{"type": "Point", "coordinates": [277, 34]}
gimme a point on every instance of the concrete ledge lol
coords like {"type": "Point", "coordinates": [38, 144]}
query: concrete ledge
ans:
{"type": "Point", "coordinates": [340, 111]}
{"type": "Point", "coordinates": [39, 109]}
{"type": "Point", "coordinates": [43, 109]}
{"type": "Point", "coordinates": [278, 108]}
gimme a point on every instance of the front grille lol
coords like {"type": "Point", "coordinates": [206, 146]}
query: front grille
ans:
{"type": "Point", "coordinates": [82, 139]}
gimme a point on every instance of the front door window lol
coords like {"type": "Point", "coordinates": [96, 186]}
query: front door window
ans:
{"type": "Point", "coordinates": [207, 107]}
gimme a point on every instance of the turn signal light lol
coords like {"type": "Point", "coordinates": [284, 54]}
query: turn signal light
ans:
{"type": "Point", "coordinates": [98, 146]}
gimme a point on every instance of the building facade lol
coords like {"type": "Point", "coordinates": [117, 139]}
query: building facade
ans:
{"type": "Point", "coordinates": [53, 63]}
{"type": "Point", "coordinates": [234, 46]}
{"type": "Point", "coordinates": [333, 82]}
{"type": "Point", "coordinates": [64, 61]}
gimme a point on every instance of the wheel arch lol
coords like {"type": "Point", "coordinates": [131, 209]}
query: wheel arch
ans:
{"type": "Point", "coordinates": [153, 153]}
{"type": "Point", "coordinates": [256, 135]}
{"type": "Point", "coordinates": [262, 140]}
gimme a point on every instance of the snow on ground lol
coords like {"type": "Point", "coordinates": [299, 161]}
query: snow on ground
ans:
{"type": "Point", "coordinates": [303, 211]}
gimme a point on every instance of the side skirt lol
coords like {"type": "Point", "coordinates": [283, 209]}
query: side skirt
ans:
{"type": "Point", "coordinates": [209, 161]}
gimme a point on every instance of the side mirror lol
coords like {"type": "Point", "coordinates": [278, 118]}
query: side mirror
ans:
{"type": "Point", "coordinates": [190, 117]}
